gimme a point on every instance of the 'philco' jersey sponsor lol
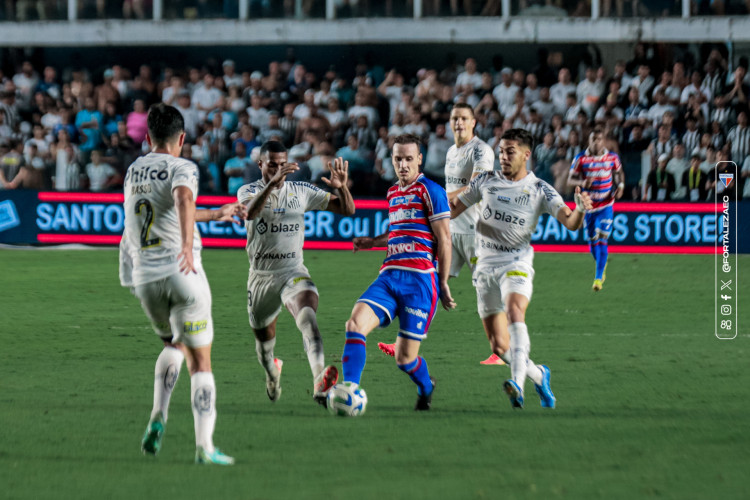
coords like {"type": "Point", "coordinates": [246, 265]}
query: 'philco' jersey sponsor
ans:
{"type": "Point", "coordinates": [460, 164]}
{"type": "Point", "coordinates": [276, 235]}
{"type": "Point", "coordinates": [151, 239]}
{"type": "Point", "coordinates": [508, 214]}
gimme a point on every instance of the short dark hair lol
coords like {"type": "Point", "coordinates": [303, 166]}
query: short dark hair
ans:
{"type": "Point", "coordinates": [463, 105]}
{"type": "Point", "coordinates": [165, 123]}
{"type": "Point", "coordinates": [272, 147]}
{"type": "Point", "coordinates": [523, 137]}
{"type": "Point", "coordinates": [408, 139]}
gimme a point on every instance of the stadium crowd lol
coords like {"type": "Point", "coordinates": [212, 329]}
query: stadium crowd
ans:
{"type": "Point", "coordinates": [75, 129]}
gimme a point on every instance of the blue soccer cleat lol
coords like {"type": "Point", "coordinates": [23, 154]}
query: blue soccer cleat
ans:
{"type": "Point", "coordinates": [546, 397]}
{"type": "Point", "coordinates": [514, 393]}
{"type": "Point", "coordinates": [215, 457]}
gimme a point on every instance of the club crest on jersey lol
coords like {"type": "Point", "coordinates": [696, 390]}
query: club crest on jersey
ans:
{"type": "Point", "coordinates": [726, 179]}
{"type": "Point", "coordinates": [522, 200]}
{"type": "Point", "coordinates": [262, 227]}
{"type": "Point", "coordinates": [292, 201]}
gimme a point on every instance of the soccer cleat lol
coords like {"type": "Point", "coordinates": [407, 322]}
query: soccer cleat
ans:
{"type": "Point", "coordinates": [425, 401]}
{"type": "Point", "coordinates": [151, 442]}
{"type": "Point", "coordinates": [546, 398]}
{"type": "Point", "coordinates": [389, 349]}
{"type": "Point", "coordinates": [215, 457]}
{"type": "Point", "coordinates": [494, 359]}
{"type": "Point", "coordinates": [514, 393]}
{"type": "Point", "coordinates": [273, 384]}
{"type": "Point", "coordinates": [324, 381]}
{"type": "Point", "coordinates": [597, 285]}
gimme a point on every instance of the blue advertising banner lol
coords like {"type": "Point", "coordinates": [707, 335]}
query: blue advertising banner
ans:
{"type": "Point", "coordinates": [31, 217]}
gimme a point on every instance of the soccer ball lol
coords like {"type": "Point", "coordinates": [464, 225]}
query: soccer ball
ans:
{"type": "Point", "coordinates": [346, 399]}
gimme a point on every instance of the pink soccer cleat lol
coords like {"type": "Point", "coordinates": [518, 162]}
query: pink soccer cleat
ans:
{"type": "Point", "coordinates": [494, 359]}
{"type": "Point", "coordinates": [389, 349]}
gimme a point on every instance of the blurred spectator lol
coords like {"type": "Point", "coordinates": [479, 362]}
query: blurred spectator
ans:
{"type": "Point", "coordinates": [437, 147]}
{"type": "Point", "coordinates": [660, 184]}
{"type": "Point", "coordinates": [470, 75]}
{"type": "Point", "coordinates": [136, 122]}
{"type": "Point", "coordinates": [238, 168]}
{"type": "Point", "coordinates": [360, 164]}
{"type": "Point", "coordinates": [545, 155]}
{"type": "Point", "coordinates": [739, 139]}
{"type": "Point", "coordinates": [560, 91]}
{"type": "Point", "coordinates": [589, 91]}
{"type": "Point", "coordinates": [102, 176]}
{"type": "Point", "coordinates": [694, 180]}
{"type": "Point", "coordinates": [230, 76]}
{"type": "Point", "coordinates": [206, 96]}
{"type": "Point", "coordinates": [677, 165]}
{"type": "Point", "coordinates": [505, 93]}
{"type": "Point", "coordinates": [190, 115]}
{"type": "Point", "coordinates": [88, 121]}
{"type": "Point", "coordinates": [691, 137]}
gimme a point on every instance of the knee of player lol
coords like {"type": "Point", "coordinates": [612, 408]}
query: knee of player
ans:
{"type": "Point", "coordinates": [403, 359]}
{"type": "Point", "coordinates": [354, 325]}
{"type": "Point", "coordinates": [306, 318]}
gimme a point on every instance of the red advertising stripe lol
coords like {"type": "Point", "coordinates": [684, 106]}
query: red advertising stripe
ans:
{"type": "Point", "coordinates": [678, 208]}
{"type": "Point", "coordinates": [627, 249]}
{"type": "Point", "coordinates": [54, 196]}
{"type": "Point", "coordinates": [86, 239]}
{"type": "Point", "coordinates": [224, 242]}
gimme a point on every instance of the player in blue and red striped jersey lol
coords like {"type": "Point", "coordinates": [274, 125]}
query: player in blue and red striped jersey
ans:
{"type": "Point", "coordinates": [599, 172]}
{"type": "Point", "coordinates": [413, 276]}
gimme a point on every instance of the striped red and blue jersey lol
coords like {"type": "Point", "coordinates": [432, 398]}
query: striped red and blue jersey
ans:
{"type": "Point", "coordinates": [411, 209]}
{"type": "Point", "coordinates": [600, 170]}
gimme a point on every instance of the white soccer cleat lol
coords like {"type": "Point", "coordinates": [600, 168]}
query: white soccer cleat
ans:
{"type": "Point", "coordinates": [273, 384]}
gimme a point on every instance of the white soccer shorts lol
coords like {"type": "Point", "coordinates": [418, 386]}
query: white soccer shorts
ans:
{"type": "Point", "coordinates": [179, 307]}
{"type": "Point", "coordinates": [494, 285]}
{"type": "Point", "coordinates": [463, 253]}
{"type": "Point", "coordinates": [267, 292]}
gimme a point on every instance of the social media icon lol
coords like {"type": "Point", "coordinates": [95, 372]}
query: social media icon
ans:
{"type": "Point", "coordinates": [726, 297]}
{"type": "Point", "coordinates": [726, 310]}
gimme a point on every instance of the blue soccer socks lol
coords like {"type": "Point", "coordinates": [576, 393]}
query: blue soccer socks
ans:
{"type": "Point", "coordinates": [354, 357]}
{"type": "Point", "coordinates": [417, 371]}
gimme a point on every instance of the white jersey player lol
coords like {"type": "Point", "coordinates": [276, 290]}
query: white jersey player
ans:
{"type": "Point", "coordinates": [160, 262]}
{"type": "Point", "coordinates": [275, 235]}
{"type": "Point", "coordinates": [510, 205]}
{"type": "Point", "coordinates": [466, 159]}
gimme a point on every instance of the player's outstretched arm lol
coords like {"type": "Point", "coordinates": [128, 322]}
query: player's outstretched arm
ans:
{"type": "Point", "coordinates": [185, 206]}
{"type": "Point", "coordinates": [231, 212]}
{"type": "Point", "coordinates": [441, 229]}
{"type": "Point", "coordinates": [257, 203]}
{"type": "Point", "coordinates": [573, 219]}
{"type": "Point", "coordinates": [365, 242]}
{"type": "Point", "coordinates": [620, 180]}
{"type": "Point", "coordinates": [457, 207]}
{"type": "Point", "coordinates": [342, 202]}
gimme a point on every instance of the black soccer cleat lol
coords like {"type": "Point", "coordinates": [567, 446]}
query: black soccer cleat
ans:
{"type": "Point", "coordinates": [425, 401]}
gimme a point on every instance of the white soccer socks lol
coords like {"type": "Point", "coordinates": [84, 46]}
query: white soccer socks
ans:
{"type": "Point", "coordinates": [167, 370]}
{"type": "Point", "coordinates": [519, 348]}
{"type": "Point", "coordinates": [532, 370]}
{"type": "Point", "coordinates": [265, 355]}
{"type": "Point", "coordinates": [203, 397]}
{"type": "Point", "coordinates": [308, 324]}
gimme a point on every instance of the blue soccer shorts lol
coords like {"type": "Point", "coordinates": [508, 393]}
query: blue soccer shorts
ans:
{"type": "Point", "coordinates": [408, 295]}
{"type": "Point", "coordinates": [598, 224]}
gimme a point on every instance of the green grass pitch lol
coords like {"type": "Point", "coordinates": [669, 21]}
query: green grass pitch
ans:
{"type": "Point", "coordinates": [650, 403]}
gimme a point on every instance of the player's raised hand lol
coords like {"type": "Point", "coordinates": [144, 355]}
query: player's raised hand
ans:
{"type": "Point", "coordinates": [362, 243]}
{"type": "Point", "coordinates": [445, 297]}
{"type": "Point", "coordinates": [282, 172]}
{"type": "Point", "coordinates": [185, 261]}
{"type": "Point", "coordinates": [229, 212]}
{"type": "Point", "coordinates": [583, 200]}
{"type": "Point", "coordinates": [339, 173]}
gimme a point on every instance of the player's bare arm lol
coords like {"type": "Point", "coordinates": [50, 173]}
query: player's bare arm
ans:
{"type": "Point", "coordinates": [257, 203]}
{"type": "Point", "coordinates": [185, 206]}
{"type": "Point", "coordinates": [620, 181]}
{"type": "Point", "coordinates": [366, 242]}
{"type": "Point", "coordinates": [231, 212]}
{"type": "Point", "coordinates": [441, 229]}
{"type": "Point", "coordinates": [457, 207]}
{"type": "Point", "coordinates": [342, 202]}
{"type": "Point", "coordinates": [573, 219]}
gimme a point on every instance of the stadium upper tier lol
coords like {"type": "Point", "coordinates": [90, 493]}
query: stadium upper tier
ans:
{"type": "Point", "coordinates": [252, 22]}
